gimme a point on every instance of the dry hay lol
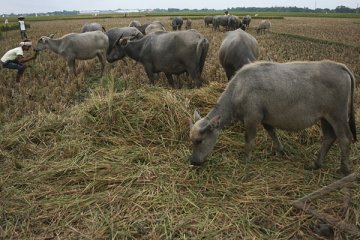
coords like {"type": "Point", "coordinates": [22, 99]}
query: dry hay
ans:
{"type": "Point", "coordinates": [116, 167]}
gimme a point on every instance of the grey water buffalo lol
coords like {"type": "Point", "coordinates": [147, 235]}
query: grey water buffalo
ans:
{"type": "Point", "coordinates": [288, 96]}
{"type": "Point", "coordinates": [154, 26]}
{"type": "Point", "coordinates": [88, 27]}
{"type": "Point", "coordinates": [188, 24]}
{"type": "Point", "coordinates": [246, 21]}
{"type": "Point", "coordinates": [177, 23]}
{"type": "Point", "coordinates": [77, 46]}
{"type": "Point", "coordinates": [263, 26]}
{"type": "Point", "coordinates": [134, 23]}
{"type": "Point", "coordinates": [237, 49]}
{"type": "Point", "coordinates": [169, 52]}
{"type": "Point", "coordinates": [233, 22]}
{"type": "Point", "coordinates": [142, 27]}
{"type": "Point", "coordinates": [116, 52]}
{"type": "Point", "coordinates": [220, 20]}
{"type": "Point", "coordinates": [208, 20]}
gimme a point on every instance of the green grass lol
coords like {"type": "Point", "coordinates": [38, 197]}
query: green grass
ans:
{"type": "Point", "coordinates": [276, 15]}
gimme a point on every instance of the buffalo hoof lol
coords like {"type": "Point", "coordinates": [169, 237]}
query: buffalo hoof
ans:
{"type": "Point", "coordinates": [324, 230]}
{"type": "Point", "coordinates": [195, 163]}
{"type": "Point", "coordinates": [312, 166]}
{"type": "Point", "coordinates": [343, 172]}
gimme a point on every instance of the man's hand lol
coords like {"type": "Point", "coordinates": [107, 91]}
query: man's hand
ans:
{"type": "Point", "coordinates": [36, 53]}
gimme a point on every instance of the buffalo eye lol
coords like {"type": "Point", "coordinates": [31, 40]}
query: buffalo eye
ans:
{"type": "Point", "coordinates": [198, 142]}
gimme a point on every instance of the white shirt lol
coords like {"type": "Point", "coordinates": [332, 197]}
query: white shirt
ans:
{"type": "Point", "coordinates": [22, 25]}
{"type": "Point", "coordinates": [12, 54]}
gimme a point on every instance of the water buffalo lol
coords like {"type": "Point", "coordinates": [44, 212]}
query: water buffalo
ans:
{"type": "Point", "coordinates": [116, 52]}
{"type": "Point", "coordinates": [220, 20]}
{"type": "Point", "coordinates": [134, 23]}
{"type": "Point", "coordinates": [188, 24]}
{"type": "Point", "coordinates": [142, 27]}
{"type": "Point", "coordinates": [208, 20]}
{"type": "Point", "coordinates": [176, 23]}
{"type": "Point", "coordinates": [169, 52]}
{"type": "Point", "coordinates": [79, 46]}
{"type": "Point", "coordinates": [88, 27]}
{"type": "Point", "coordinates": [263, 26]}
{"type": "Point", "coordinates": [288, 96]}
{"type": "Point", "coordinates": [154, 26]}
{"type": "Point", "coordinates": [246, 20]}
{"type": "Point", "coordinates": [237, 49]}
{"type": "Point", "coordinates": [233, 22]}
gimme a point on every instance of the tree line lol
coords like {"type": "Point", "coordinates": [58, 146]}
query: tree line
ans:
{"type": "Point", "coordinates": [338, 9]}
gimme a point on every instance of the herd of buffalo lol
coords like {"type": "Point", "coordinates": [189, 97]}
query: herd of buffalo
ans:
{"type": "Point", "coordinates": [289, 96]}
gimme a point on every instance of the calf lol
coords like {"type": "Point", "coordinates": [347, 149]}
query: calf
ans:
{"type": "Point", "coordinates": [77, 46]}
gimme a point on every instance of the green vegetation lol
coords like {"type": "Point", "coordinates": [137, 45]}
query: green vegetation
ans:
{"type": "Point", "coordinates": [192, 14]}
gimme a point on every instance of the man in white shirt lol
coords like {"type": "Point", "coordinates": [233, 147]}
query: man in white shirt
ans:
{"type": "Point", "coordinates": [22, 28]}
{"type": "Point", "coordinates": [14, 58]}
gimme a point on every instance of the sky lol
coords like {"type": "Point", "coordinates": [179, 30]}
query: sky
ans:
{"type": "Point", "coordinates": [38, 6]}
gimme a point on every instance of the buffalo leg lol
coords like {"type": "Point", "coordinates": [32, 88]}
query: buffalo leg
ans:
{"type": "Point", "coordinates": [71, 67]}
{"type": "Point", "coordinates": [343, 133]}
{"type": "Point", "coordinates": [272, 133]}
{"type": "Point", "coordinates": [150, 75]}
{"type": "Point", "coordinates": [250, 133]}
{"type": "Point", "coordinates": [196, 78]}
{"type": "Point", "coordinates": [102, 60]}
{"type": "Point", "coordinates": [329, 138]}
{"type": "Point", "coordinates": [170, 79]}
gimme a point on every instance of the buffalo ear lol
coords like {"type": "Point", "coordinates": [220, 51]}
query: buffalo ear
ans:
{"type": "Point", "coordinates": [191, 124]}
{"type": "Point", "coordinates": [51, 35]}
{"type": "Point", "coordinates": [123, 41]}
{"type": "Point", "coordinates": [215, 122]}
{"type": "Point", "coordinates": [135, 36]}
{"type": "Point", "coordinates": [197, 116]}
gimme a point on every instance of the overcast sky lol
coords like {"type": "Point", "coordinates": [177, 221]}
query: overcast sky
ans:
{"type": "Point", "coordinates": [32, 6]}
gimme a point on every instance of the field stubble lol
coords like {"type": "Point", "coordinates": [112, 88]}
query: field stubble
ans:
{"type": "Point", "coordinates": [107, 159]}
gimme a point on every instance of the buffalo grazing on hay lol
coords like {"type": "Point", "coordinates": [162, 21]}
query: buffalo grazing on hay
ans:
{"type": "Point", "coordinates": [289, 96]}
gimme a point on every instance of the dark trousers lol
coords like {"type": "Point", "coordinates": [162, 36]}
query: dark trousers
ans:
{"type": "Point", "coordinates": [23, 34]}
{"type": "Point", "coordinates": [14, 65]}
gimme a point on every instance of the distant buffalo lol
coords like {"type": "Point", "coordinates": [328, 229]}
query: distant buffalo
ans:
{"type": "Point", "coordinates": [154, 26]}
{"type": "Point", "coordinates": [88, 27]}
{"type": "Point", "coordinates": [233, 22]}
{"type": "Point", "coordinates": [246, 21]}
{"type": "Point", "coordinates": [208, 20]}
{"type": "Point", "coordinates": [188, 24]}
{"type": "Point", "coordinates": [263, 26]}
{"type": "Point", "coordinates": [220, 20]}
{"type": "Point", "coordinates": [134, 23]}
{"type": "Point", "coordinates": [177, 23]}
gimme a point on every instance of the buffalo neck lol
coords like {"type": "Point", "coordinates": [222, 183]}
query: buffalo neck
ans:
{"type": "Point", "coordinates": [223, 108]}
{"type": "Point", "coordinates": [54, 45]}
{"type": "Point", "coordinates": [134, 49]}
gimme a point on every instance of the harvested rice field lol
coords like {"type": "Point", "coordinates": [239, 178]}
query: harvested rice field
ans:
{"type": "Point", "coordinates": [108, 158]}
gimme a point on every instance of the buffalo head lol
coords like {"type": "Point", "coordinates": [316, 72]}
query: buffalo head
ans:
{"type": "Point", "coordinates": [203, 135]}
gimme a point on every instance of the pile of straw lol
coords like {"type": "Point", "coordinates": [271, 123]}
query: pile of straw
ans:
{"type": "Point", "coordinates": [116, 167]}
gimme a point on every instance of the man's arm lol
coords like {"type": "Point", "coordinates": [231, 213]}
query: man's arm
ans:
{"type": "Point", "coordinates": [22, 59]}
